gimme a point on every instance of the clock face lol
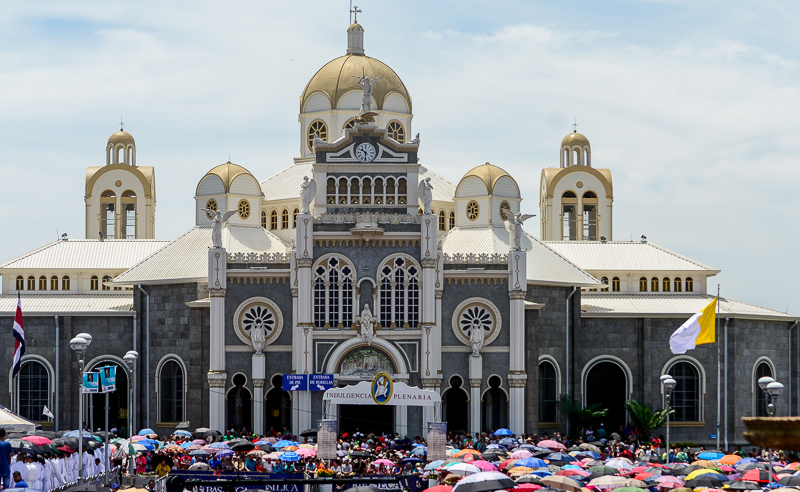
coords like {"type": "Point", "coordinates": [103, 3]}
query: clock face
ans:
{"type": "Point", "coordinates": [365, 152]}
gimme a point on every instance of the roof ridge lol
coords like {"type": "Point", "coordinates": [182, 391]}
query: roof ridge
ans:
{"type": "Point", "coordinates": [158, 250]}
{"type": "Point", "coordinates": [530, 236]}
{"type": "Point", "coordinates": [30, 253]}
{"type": "Point", "coordinates": [680, 256]}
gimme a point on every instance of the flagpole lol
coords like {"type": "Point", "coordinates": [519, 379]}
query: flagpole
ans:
{"type": "Point", "coordinates": [719, 367]}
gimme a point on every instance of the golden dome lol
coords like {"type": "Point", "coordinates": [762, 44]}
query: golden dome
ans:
{"type": "Point", "coordinates": [355, 26]}
{"type": "Point", "coordinates": [227, 173]}
{"type": "Point", "coordinates": [337, 78]}
{"type": "Point", "coordinates": [489, 174]}
{"type": "Point", "coordinates": [121, 137]}
{"type": "Point", "coordinates": [574, 139]}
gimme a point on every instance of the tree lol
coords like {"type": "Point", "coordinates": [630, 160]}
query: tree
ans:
{"type": "Point", "coordinates": [644, 418]}
{"type": "Point", "coordinates": [578, 416]}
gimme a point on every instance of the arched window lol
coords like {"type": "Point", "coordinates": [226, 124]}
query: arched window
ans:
{"type": "Point", "coordinates": [33, 390]}
{"type": "Point", "coordinates": [128, 205]}
{"type": "Point", "coordinates": [106, 278]}
{"type": "Point", "coordinates": [317, 128]}
{"type": "Point", "coordinates": [395, 131]}
{"type": "Point", "coordinates": [285, 219]}
{"type": "Point", "coordinates": [294, 218]}
{"type": "Point", "coordinates": [20, 283]}
{"type": "Point", "coordinates": [495, 405]}
{"type": "Point", "coordinates": [31, 282]}
{"type": "Point", "coordinates": [65, 284]}
{"type": "Point", "coordinates": [442, 219]}
{"type": "Point", "coordinates": [654, 284]}
{"type": "Point", "coordinates": [273, 220]}
{"type": "Point", "coordinates": [665, 284]}
{"type": "Point", "coordinates": [569, 216]}
{"type": "Point", "coordinates": [589, 216]}
{"type": "Point", "coordinates": [342, 191]}
{"type": "Point", "coordinates": [108, 204]}
{"type": "Point", "coordinates": [399, 293]}
{"type": "Point", "coordinates": [689, 284]}
{"type": "Point", "coordinates": [42, 283]}
{"type": "Point", "coordinates": [390, 187]}
{"type": "Point", "coordinates": [643, 284]}
{"type": "Point", "coordinates": [170, 392]}
{"type": "Point", "coordinates": [763, 369]}
{"type": "Point", "coordinates": [455, 401]}
{"type": "Point", "coordinates": [615, 284]}
{"type": "Point", "coordinates": [334, 293]}
{"type": "Point", "coordinates": [277, 407]}
{"type": "Point", "coordinates": [402, 191]}
{"type": "Point", "coordinates": [452, 219]}
{"type": "Point", "coordinates": [330, 191]}
{"type": "Point", "coordinates": [366, 191]}
{"type": "Point", "coordinates": [378, 191]}
{"type": "Point", "coordinates": [505, 208]}
{"type": "Point", "coordinates": [604, 281]}
{"type": "Point", "coordinates": [54, 282]}
{"type": "Point", "coordinates": [677, 284]}
{"type": "Point", "coordinates": [685, 398]}
{"type": "Point", "coordinates": [94, 283]}
{"type": "Point", "coordinates": [350, 123]}
{"type": "Point", "coordinates": [240, 403]}
{"type": "Point", "coordinates": [355, 190]}
{"type": "Point", "coordinates": [548, 392]}
{"type": "Point", "coordinates": [263, 219]}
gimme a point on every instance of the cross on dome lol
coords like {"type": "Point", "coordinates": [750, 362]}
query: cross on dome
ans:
{"type": "Point", "coordinates": [355, 11]}
{"type": "Point", "coordinates": [121, 124]}
{"type": "Point", "coordinates": [575, 126]}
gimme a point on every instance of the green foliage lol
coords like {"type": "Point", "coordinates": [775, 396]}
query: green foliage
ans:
{"type": "Point", "coordinates": [644, 418]}
{"type": "Point", "coordinates": [580, 417]}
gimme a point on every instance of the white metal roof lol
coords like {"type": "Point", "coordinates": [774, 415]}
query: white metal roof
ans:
{"type": "Point", "coordinates": [286, 183]}
{"type": "Point", "coordinates": [669, 305]}
{"type": "Point", "coordinates": [544, 264]}
{"type": "Point", "coordinates": [443, 190]}
{"type": "Point", "coordinates": [186, 258]}
{"type": "Point", "coordinates": [625, 256]}
{"type": "Point", "coordinates": [66, 304]}
{"type": "Point", "coordinates": [87, 254]}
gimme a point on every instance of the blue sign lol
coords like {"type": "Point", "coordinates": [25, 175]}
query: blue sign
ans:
{"type": "Point", "coordinates": [108, 379]}
{"type": "Point", "coordinates": [712, 436]}
{"type": "Point", "coordinates": [91, 382]}
{"type": "Point", "coordinates": [295, 382]}
{"type": "Point", "coordinates": [320, 382]}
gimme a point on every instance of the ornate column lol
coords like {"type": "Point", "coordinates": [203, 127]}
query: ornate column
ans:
{"type": "Point", "coordinates": [258, 369]}
{"type": "Point", "coordinates": [430, 305]}
{"type": "Point", "coordinates": [517, 287]}
{"type": "Point", "coordinates": [429, 413]}
{"type": "Point", "coordinates": [303, 330]}
{"type": "Point", "coordinates": [217, 283]}
{"type": "Point", "coordinates": [401, 415]}
{"type": "Point", "coordinates": [475, 378]}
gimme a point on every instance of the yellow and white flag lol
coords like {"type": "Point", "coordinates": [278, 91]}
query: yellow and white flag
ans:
{"type": "Point", "coordinates": [697, 330]}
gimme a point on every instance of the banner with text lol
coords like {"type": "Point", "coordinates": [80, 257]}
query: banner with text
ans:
{"type": "Point", "coordinates": [91, 382]}
{"type": "Point", "coordinates": [327, 433]}
{"type": "Point", "coordinates": [108, 379]}
{"type": "Point", "coordinates": [371, 393]}
{"type": "Point", "coordinates": [295, 382]}
{"type": "Point", "coordinates": [437, 441]}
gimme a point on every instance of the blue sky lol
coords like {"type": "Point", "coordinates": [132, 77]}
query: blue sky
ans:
{"type": "Point", "coordinates": [692, 105]}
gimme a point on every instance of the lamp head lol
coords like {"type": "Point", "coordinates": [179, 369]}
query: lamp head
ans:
{"type": "Point", "coordinates": [669, 384]}
{"type": "Point", "coordinates": [129, 359]}
{"type": "Point", "coordinates": [775, 389]}
{"type": "Point", "coordinates": [78, 344]}
{"type": "Point", "coordinates": [764, 381]}
{"type": "Point", "coordinates": [86, 337]}
{"type": "Point", "coordinates": [664, 377]}
{"type": "Point", "coordinates": [134, 353]}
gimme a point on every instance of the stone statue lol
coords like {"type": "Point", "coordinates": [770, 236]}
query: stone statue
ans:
{"type": "Point", "coordinates": [476, 337]}
{"type": "Point", "coordinates": [367, 325]}
{"type": "Point", "coordinates": [367, 85]}
{"type": "Point", "coordinates": [514, 227]}
{"type": "Point", "coordinates": [219, 220]}
{"type": "Point", "coordinates": [414, 140]}
{"type": "Point", "coordinates": [308, 191]}
{"type": "Point", "coordinates": [426, 195]}
{"type": "Point", "coordinates": [258, 335]}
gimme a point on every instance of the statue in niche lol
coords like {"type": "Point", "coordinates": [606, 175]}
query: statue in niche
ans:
{"type": "Point", "coordinates": [366, 323]}
{"type": "Point", "coordinates": [258, 335]}
{"type": "Point", "coordinates": [476, 337]}
{"type": "Point", "coordinates": [426, 195]}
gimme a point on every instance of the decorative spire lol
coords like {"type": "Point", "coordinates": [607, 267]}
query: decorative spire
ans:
{"type": "Point", "coordinates": [355, 37]}
{"type": "Point", "coordinates": [575, 126]}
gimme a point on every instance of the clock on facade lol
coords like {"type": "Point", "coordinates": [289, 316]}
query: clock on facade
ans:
{"type": "Point", "coordinates": [365, 152]}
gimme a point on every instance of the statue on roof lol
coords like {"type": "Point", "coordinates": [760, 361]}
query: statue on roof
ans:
{"type": "Point", "coordinates": [308, 191]}
{"type": "Point", "coordinates": [513, 225]}
{"type": "Point", "coordinates": [219, 219]}
{"type": "Point", "coordinates": [426, 195]}
{"type": "Point", "coordinates": [367, 85]}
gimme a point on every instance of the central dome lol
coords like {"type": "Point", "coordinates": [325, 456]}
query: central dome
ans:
{"type": "Point", "coordinates": [338, 77]}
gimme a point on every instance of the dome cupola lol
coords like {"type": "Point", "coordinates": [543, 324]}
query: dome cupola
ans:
{"type": "Point", "coordinates": [575, 150]}
{"type": "Point", "coordinates": [121, 149]}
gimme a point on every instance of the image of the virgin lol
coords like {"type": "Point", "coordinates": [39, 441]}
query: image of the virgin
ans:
{"type": "Point", "coordinates": [381, 389]}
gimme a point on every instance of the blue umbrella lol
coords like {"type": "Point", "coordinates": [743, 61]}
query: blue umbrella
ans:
{"type": "Point", "coordinates": [527, 446]}
{"type": "Point", "coordinates": [148, 445]}
{"type": "Point", "coordinates": [531, 463]}
{"type": "Point", "coordinates": [285, 444]}
{"type": "Point", "coordinates": [540, 473]}
{"type": "Point", "coordinates": [145, 432]}
{"type": "Point", "coordinates": [198, 452]}
{"type": "Point", "coordinates": [75, 433]}
{"type": "Point", "coordinates": [589, 454]}
{"type": "Point", "coordinates": [503, 432]}
{"type": "Point", "coordinates": [182, 433]}
{"type": "Point", "coordinates": [417, 445]}
{"type": "Point", "coordinates": [224, 453]}
{"type": "Point", "coordinates": [187, 444]}
{"type": "Point", "coordinates": [508, 441]}
{"type": "Point", "coordinates": [560, 457]}
{"type": "Point", "coordinates": [434, 465]}
{"type": "Point", "coordinates": [412, 461]}
{"type": "Point", "coordinates": [740, 462]}
{"type": "Point", "coordinates": [495, 446]}
{"type": "Point", "coordinates": [219, 445]}
{"type": "Point", "coordinates": [710, 455]}
{"type": "Point", "coordinates": [290, 456]}
{"type": "Point", "coordinates": [420, 451]}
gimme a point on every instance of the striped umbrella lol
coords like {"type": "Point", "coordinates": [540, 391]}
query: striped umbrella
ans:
{"type": "Point", "coordinates": [609, 482]}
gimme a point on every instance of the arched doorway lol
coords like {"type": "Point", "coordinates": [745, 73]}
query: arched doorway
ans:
{"type": "Point", "coordinates": [277, 407]}
{"type": "Point", "coordinates": [494, 405]}
{"type": "Point", "coordinates": [455, 406]}
{"type": "Point", "coordinates": [362, 364]}
{"type": "Point", "coordinates": [240, 404]}
{"type": "Point", "coordinates": [606, 386]}
{"type": "Point", "coordinates": [117, 402]}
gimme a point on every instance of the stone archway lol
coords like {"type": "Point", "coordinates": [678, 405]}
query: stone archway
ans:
{"type": "Point", "coordinates": [606, 385]}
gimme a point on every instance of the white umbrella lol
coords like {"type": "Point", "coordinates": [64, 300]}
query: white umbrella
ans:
{"type": "Point", "coordinates": [484, 482]}
{"type": "Point", "coordinates": [619, 464]}
{"type": "Point", "coordinates": [463, 469]}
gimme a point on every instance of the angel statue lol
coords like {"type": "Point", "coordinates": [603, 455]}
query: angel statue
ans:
{"type": "Point", "coordinates": [366, 322]}
{"type": "Point", "coordinates": [367, 85]}
{"type": "Point", "coordinates": [476, 337]}
{"type": "Point", "coordinates": [308, 190]}
{"type": "Point", "coordinates": [258, 335]}
{"type": "Point", "coordinates": [514, 227]}
{"type": "Point", "coordinates": [426, 195]}
{"type": "Point", "coordinates": [219, 221]}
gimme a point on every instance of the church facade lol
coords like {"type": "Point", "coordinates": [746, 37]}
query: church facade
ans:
{"type": "Point", "coordinates": [356, 260]}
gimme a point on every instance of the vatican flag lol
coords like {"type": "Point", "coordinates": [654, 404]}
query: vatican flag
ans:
{"type": "Point", "coordinates": [698, 329]}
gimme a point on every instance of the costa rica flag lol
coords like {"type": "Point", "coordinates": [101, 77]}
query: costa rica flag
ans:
{"type": "Point", "coordinates": [19, 338]}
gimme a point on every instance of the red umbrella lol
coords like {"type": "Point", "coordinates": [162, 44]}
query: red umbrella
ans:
{"type": "Point", "coordinates": [440, 488]}
{"type": "Point", "coordinates": [506, 463]}
{"type": "Point", "coordinates": [757, 475]}
{"type": "Point", "coordinates": [642, 476]}
{"type": "Point", "coordinates": [529, 486]}
{"type": "Point", "coordinates": [66, 449]}
{"type": "Point", "coordinates": [38, 440]}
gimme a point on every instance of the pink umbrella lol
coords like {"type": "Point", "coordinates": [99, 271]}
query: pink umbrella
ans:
{"type": "Point", "coordinates": [38, 440]}
{"type": "Point", "coordinates": [383, 462]}
{"type": "Point", "coordinates": [550, 444]}
{"type": "Point", "coordinates": [199, 442]}
{"type": "Point", "coordinates": [194, 447]}
{"type": "Point", "coordinates": [137, 438]}
{"type": "Point", "coordinates": [484, 465]}
{"type": "Point", "coordinates": [521, 454]}
{"type": "Point", "coordinates": [306, 452]}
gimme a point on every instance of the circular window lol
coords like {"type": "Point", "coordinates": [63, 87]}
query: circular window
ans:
{"type": "Point", "coordinates": [317, 128]}
{"type": "Point", "coordinates": [258, 312]}
{"type": "Point", "coordinates": [396, 131]}
{"type": "Point", "coordinates": [473, 210]}
{"type": "Point", "coordinates": [211, 205]}
{"type": "Point", "coordinates": [244, 209]}
{"type": "Point", "coordinates": [351, 123]}
{"type": "Point", "coordinates": [579, 184]}
{"type": "Point", "coordinates": [505, 209]}
{"type": "Point", "coordinates": [476, 314]}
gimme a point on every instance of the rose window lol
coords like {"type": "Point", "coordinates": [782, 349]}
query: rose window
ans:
{"type": "Point", "coordinates": [258, 316]}
{"type": "Point", "coordinates": [474, 318]}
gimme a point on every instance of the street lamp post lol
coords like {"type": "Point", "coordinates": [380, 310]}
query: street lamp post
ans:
{"type": "Point", "coordinates": [79, 344]}
{"type": "Point", "coordinates": [130, 360]}
{"type": "Point", "coordinates": [774, 390]}
{"type": "Point", "coordinates": [669, 385]}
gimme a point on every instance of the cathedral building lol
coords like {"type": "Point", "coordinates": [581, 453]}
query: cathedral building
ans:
{"type": "Point", "coordinates": [356, 260]}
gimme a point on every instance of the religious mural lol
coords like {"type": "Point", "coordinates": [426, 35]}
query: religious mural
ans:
{"type": "Point", "coordinates": [365, 363]}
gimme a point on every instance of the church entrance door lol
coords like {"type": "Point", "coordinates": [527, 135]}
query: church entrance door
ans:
{"type": "Point", "coordinates": [366, 418]}
{"type": "Point", "coordinates": [606, 385]}
{"type": "Point", "coordinates": [117, 403]}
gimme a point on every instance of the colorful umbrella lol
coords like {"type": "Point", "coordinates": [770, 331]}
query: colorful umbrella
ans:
{"type": "Point", "coordinates": [550, 444]}
{"type": "Point", "coordinates": [609, 482]}
{"type": "Point", "coordinates": [464, 452]}
{"type": "Point", "coordinates": [503, 432]}
{"type": "Point", "coordinates": [38, 440]}
{"type": "Point", "coordinates": [289, 456]}
{"type": "Point", "coordinates": [146, 432]}
{"type": "Point", "coordinates": [224, 453]}
{"type": "Point", "coordinates": [284, 443]}
{"type": "Point", "coordinates": [521, 453]}
{"type": "Point", "coordinates": [484, 465]}
{"type": "Point", "coordinates": [182, 433]}
{"type": "Point", "coordinates": [562, 483]}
